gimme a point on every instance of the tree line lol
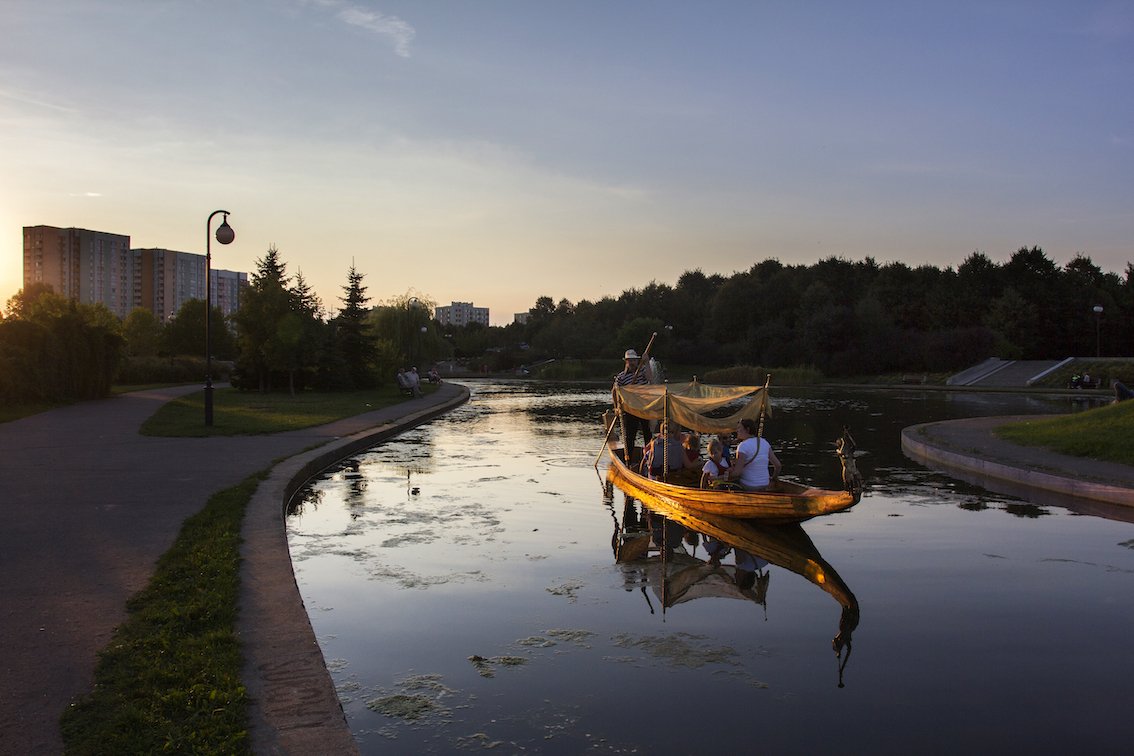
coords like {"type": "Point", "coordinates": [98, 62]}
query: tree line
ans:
{"type": "Point", "coordinates": [837, 316]}
{"type": "Point", "coordinates": [854, 318]}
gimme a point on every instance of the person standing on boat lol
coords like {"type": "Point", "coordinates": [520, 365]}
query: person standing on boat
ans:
{"type": "Point", "coordinates": [633, 373]}
{"type": "Point", "coordinates": [753, 455]}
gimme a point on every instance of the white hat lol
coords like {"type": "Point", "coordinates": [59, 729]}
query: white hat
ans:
{"type": "Point", "coordinates": [631, 355]}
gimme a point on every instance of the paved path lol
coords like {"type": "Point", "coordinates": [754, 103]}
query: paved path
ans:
{"type": "Point", "coordinates": [89, 505]}
{"type": "Point", "coordinates": [970, 449]}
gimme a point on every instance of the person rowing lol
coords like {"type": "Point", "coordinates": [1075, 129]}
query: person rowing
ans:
{"type": "Point", "coordinates": [633, 373]}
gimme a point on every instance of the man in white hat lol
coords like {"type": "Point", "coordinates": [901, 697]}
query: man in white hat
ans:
{"type": "Point", "coordinates": [633, 373]}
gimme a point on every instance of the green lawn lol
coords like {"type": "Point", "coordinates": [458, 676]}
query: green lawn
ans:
{"type": "Point", "coordinates": [237, 413]}
{"type": "Point", "coordinates": [170, 680]}
{"type": "Point", "coordinates": [1103, 433]}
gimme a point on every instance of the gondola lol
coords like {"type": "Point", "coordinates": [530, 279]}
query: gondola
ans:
{"type": "Point", "coordinates": [697, 406]}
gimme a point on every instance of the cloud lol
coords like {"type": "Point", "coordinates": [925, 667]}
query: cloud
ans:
{"type": "Point", "coordinates": [30, 100]}
{"type": "Point", "coordinates": [397, 30]}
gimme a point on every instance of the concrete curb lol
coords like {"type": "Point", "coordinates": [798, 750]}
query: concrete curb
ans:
{"type": "Point", "coordinates": [294, 708]}
{"type": "Point", "coordinates": [919, 444]}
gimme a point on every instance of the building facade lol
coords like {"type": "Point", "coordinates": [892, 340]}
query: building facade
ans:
{"type": "Point", "coordinates": [168, 279]}
{"type": "Point", "coordinates": [460, 314]}
{"type": "Point", "coordinates": [83, 265]}
{"type": "Point", "coordinates": [95, 266]}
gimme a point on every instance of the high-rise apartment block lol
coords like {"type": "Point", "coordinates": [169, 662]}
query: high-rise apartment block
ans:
{"type": "Point", "coordinates": [87, 266]}
{"type": "Point", "coordinates": [461, 314]}
{"type": "Point", "coordinates": [95, 266]}
{"type": "Point", "coordinates": [169, 279]}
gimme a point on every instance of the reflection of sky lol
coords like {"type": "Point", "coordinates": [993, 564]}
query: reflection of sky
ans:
{"type": "Point", "coordinates": [485, 534]}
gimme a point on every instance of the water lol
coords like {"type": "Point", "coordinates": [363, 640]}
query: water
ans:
{"type": "Point", "coordinates": [463, 585]}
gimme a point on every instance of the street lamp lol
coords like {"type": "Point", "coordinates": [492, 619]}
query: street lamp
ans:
{"type": "Point", "coordinates": [225, 235]}
{"type": "Point", "coordinates": [1098, 341]}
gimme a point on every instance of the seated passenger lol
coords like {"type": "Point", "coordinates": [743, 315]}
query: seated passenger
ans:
{"type": "Point", "coordinates": [666, 447]}
{"type": "Point", "coordinates": [691, 443]}
{"type": "Point", "coordinates": [753, 456]}
{"type": "Point", "coordinates": [716, 468]}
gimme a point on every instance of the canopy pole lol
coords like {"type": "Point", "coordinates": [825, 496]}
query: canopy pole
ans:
{"type": "Point", "coordinates": [665, 435]}
{"type": "Point", "coordinates": [763, 406]}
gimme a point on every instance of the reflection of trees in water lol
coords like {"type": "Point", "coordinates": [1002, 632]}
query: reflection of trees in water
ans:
{"type": "Point", "coordinates": [305, 499]}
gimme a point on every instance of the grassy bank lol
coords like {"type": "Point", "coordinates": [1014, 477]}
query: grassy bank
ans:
{"type": "Point", "coordinates": [1101, 433]}
{"type": "Point", "coordinates": [237, 413]}
{"type": "Point", "coordinates": [170, 679]}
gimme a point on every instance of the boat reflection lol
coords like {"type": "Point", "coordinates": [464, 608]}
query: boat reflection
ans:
{"type": "Point", "coordinates": [657, 543]}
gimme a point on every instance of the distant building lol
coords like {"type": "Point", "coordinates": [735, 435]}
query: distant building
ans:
{"type": "Point", "coordinates": [169, 279]}
{"type": "Point", "coordinates": [95, 266]}
{"type": "Point", "coordinates": [87, 266]}
{"type": "Point", "coordinates": [521, 317]}
{"type": "Point", "coordinates": [461, 314]}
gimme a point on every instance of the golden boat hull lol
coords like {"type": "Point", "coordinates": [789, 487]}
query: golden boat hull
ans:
{"type": "Point", "coordinates": [789, 502]}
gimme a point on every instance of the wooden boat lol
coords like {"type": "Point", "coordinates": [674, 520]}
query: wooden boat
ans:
{"type": "Point", "coordinates": [786, 546]}
{"type": "Point", "coordinates": [697, 406]}
{"type": "Point", "coordinates": [789, 502]}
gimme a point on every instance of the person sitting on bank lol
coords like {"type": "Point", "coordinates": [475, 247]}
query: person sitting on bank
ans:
{"type": "Point", "coordinates": [716, 468]}
{"type": "Point", "coordinates": [666, 447]}
{"type": "Point", "coordinates": [753, 455]}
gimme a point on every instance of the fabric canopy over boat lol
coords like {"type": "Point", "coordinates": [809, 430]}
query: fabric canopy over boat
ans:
{"type": "Point", "coordinates": [690, 404]}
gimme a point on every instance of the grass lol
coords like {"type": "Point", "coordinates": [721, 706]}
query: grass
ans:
{"type": "Point", "coordinates": [169, 681]}
{"type": "Point", "coordinates": [1102, 433]}
{"type": "Point", "coordinates": [237, 413]}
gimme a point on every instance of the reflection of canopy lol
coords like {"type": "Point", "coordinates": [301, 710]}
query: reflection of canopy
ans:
{"type": "Point", "coordinates": [686, 582]}
{"type": "Point", "coordinates": [689, 404]}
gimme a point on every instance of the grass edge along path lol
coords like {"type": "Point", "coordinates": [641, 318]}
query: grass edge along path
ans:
{"type": "Point", "coordinates": [1101, 433]}
{"type": "Point", "coordinates": [237, 413]}
{"type": "Point", "coordinates": [170, 679]}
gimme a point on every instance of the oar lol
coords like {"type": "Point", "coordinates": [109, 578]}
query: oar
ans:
{"type": "Point", "coordinates": [606, 436]}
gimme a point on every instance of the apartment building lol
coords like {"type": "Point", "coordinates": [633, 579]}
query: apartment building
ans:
{"type": "Point", "coordinates": [461, 314]}
{"type": "Point", "coordinates": [87, 266]}
{"type": "Point", "coordinates": [168, 279]}
{"type": "Point", "coordinates": [95, 266]}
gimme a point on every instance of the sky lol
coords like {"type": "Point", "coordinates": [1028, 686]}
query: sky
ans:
{"type": "Point", "coordinates": [497, 151]}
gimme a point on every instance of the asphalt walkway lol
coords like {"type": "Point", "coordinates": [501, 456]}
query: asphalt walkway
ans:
{"type": "Point", "coordinates": [89, 505]}
{"type": "Point", "coordinates": [970, 449]}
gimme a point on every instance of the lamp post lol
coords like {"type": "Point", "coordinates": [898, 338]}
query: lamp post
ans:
{"type": "Point", "coordinates": [225, 235]}
{"type": "Point", "coordinates": [1098, 341]}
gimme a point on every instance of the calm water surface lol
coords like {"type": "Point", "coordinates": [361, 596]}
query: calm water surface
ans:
{"type": "Point", "coordinates": [463, 584]}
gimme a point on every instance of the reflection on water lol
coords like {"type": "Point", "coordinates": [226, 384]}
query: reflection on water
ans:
{"type": "Point", "coordinates": [658, 546]}
{"type": "Point", "coordinates": [473, 586]}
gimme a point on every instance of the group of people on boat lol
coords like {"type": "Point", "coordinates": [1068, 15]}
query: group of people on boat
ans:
{"type": "Point", "coordinates": [753, 466]}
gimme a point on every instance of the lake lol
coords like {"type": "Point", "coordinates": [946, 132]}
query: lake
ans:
{"type": "Point", "coordinates": [463, 584]}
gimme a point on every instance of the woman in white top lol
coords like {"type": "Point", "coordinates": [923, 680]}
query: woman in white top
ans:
{"type": "Point", "coordinates": [753, 455]}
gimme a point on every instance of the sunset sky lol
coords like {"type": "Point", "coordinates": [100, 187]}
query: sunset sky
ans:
{"type": "Point", "coordinates": [496, 151]}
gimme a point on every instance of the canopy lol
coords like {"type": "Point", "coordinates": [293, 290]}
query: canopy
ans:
{"type": "Point", "coordinates": [690, 403]}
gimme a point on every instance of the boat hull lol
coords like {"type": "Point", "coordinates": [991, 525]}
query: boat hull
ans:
{"type": "Point", "coordinates": [790, 502]}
